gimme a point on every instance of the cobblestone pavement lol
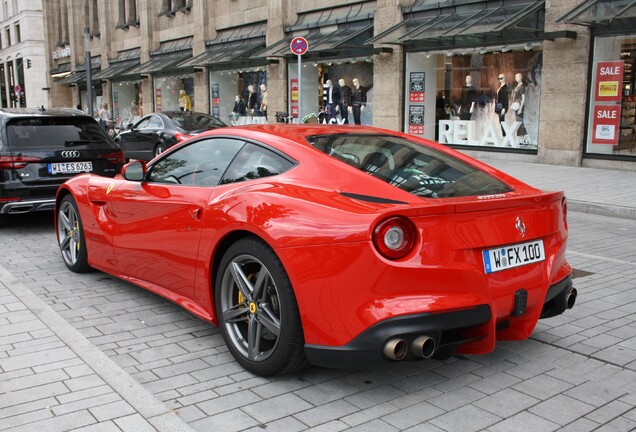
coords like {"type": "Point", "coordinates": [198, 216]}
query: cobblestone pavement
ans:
{"type": "Point", "coordinates": [142, 359]}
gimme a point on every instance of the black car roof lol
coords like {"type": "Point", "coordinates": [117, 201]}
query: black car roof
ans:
{"type": "Point", "coordinates": [39, 112]}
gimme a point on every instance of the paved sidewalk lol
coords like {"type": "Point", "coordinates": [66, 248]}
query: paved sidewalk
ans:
{"type": "Point", "coordinates": [589, 190]}
{"type": "Point", "coordinates": [53, 378]}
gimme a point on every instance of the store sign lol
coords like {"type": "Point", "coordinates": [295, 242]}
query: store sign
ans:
{"type": "Point", "coordinates": [609, 78]}
{"type": "Point", "coordinates": [417, 86]}
{"type": "Point", "coordinates": [606, 123]}
{"type": "Point", "coordinates": [465, 132]}
{"type": "Point", "coordinates": [216, 98]}
{"type": "Point", "coordinates": [61, 53]}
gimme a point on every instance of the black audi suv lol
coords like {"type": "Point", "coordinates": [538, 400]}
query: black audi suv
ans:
{"type": "Point", "coordinates": [40, 148]}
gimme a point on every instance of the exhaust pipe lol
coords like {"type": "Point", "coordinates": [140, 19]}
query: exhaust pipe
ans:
{"type": "Point", "coordinates": [395, 349]}
{"type": "Point", "coordinates": [423, 347]}
{"type": "Point", "coordinates": [570, 298]}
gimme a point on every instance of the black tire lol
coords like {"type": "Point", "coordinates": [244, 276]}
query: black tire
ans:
{"type": "Point", "coordinates": [259, 319]}
{"type": "Point", "coordinates": [70, 236]}
{"type": "Point", "coordinates": [159, 148]}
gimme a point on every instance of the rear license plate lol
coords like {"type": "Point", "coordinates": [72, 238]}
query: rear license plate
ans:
{"type": "Point", "coordinates": [507, 257]}
{"type": "Point", "coordinates": [70, 167]}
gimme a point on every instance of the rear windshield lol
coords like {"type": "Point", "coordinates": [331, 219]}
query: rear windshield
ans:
{"type": "Point", "coordinates": [190, 121]}
{"type": "Point", "coordinates": [412, 167]}
{"type": "Point", "coordinates": [54, 132]}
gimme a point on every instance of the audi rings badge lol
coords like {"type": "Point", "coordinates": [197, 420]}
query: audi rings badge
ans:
{"type": "Point", "coordinates": [69, 154]}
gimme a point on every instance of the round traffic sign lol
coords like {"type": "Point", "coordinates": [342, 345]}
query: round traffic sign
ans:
{"type": "Point", "coordinates": [17, 88]}
{"type": "Point", "coordinates": [299, 45]}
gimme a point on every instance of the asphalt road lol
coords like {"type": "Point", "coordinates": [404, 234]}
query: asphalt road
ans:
{"type": "Point", "coordinates": [577, 372]}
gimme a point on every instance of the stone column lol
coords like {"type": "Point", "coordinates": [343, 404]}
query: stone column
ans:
{"type": "Point", "coordinates": [204, 16]}
{"type": "Point", "coordinates": [388, 71]}
{"type": "Point", "coordinates": [564, 89]}
{"type": "Point", "coordinates": [277, 11]}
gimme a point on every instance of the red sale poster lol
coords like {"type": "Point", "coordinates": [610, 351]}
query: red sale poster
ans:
{"type": "Point", "coordinates": [609, 79]}
{"type": "Point", "coordinates": [294, 97]}
{"type": "Point", "coordinates": [605, 128]}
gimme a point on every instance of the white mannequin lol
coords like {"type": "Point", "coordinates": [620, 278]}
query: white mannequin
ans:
{"type": "Point", "coordinates": [263, 98]}
{"type": "Point", "coordinates": [519, 81]}
{"type": "Point", "coordinates": [468, 95]}
{"type": "Point", "coordinates": [502, 83]}
{"type": "Point", "coordinates": [356, 84]}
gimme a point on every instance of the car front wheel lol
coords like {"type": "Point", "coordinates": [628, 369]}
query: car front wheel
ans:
{"type": "Point", "coordinates": [70, 236]}
{"type": "Point", "coordinates": [159, 148]}
{"type": "Point", "coordinates": [257, 310]}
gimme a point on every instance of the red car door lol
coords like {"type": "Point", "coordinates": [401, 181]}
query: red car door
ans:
{"type": "Point", "coordinates": [157, 233]}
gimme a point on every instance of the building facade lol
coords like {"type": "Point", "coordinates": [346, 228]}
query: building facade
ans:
{"type": "Point", "coordinates": [23, 67]}
{"type": "Point", "coordinates": [541, 80]}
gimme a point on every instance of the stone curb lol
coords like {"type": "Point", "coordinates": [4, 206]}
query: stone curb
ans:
{"type": "Point", "coordinates": [147, 405]}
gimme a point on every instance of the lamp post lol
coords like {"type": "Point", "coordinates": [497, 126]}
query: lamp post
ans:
{"type": "Point", "coordinates": [87, 62]}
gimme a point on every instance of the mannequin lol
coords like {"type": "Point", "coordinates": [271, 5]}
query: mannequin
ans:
{"type": "Point", "coordinates": [184, 101]}
{"type": "Point", "coordinates": [345, 100]}
{"type": "Point", "coordinates": [331, 99]}
{"type": "Point", "coordinates": [238, 110]}
{"type": "Point", "coordinates": [501, 106]}
{"type": "Point", "coordinates": [252, 100]}
{"type": "Point", "coordinates": [264, 100]}
{"type": "Point", "coordinates": [359, 100]}
{"type": "Point", "coordinates": [467, 100]}
{"type": "Point", "coordinates": [518, 98]}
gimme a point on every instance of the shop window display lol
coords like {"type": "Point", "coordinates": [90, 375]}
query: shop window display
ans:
{"type": "Point", "coordinates": [611, 118]}
{"type": "Point", "coordinates": [486, 100]}
{"type": "Point", "coordinates": [334, 93]}
{"type": "Point", "coordinates": [172, 93]}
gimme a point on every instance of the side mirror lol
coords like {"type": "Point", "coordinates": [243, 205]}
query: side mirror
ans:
{"type": "Point", "coordinates": [134, 171]}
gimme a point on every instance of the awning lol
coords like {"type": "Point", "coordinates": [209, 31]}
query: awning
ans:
{"type": "Point", "coordinates": [160, 63]}
{"type": "Point", "coordinates": [232, 47]}
{"type": "Point", "coordinates": [332, 32]}
{"type": "Point", "coordinates": [61, 69]}
{"type": "Point", "coordinates": [433, 27]}
{"type": "Point", "coordinates": [610, 14]}
{"type": "Point", "coordinates": [115, 70]}
{"type": "Point", "coordinates": [221, 56]}
{"type": "Point", "coordinates": [79, 75]}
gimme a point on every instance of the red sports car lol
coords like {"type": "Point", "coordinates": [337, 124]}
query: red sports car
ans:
{"type": "Point", "coordinates": [331, 245]}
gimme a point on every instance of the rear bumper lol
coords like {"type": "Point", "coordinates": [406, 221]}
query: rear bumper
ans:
{"type": "Point", "coordinates": [28, 206]}
{"type": "Point", "coordinates": [450, 330]}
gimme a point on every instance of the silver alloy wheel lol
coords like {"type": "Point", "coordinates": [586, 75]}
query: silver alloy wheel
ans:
{"type": "Point", "coordinates": [68, 233]}
{"type": "Point", "coordinates": [251, 308]}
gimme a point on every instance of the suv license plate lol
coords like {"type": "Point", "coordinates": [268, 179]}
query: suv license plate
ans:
{"type": "Point", "coordinates": [70, 167]}
{"type": "Point", "coordinates": [507, 257]}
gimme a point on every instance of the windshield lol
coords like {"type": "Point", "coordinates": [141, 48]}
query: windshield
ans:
{"type": "Point", "coordinates": [409, 166]}
{"type": "Point", "coordinates": [194, 121]}
{"type": "Point", "coordinates": [53, 132]}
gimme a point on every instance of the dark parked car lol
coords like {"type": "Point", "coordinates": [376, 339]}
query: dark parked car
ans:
{"type": "Point", "coordinates": [155, 133]}
{"type": "Point", "coordinates": [40, 149]}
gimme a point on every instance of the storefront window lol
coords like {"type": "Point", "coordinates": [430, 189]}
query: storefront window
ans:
{"type": "Point", "coordinates": [126, 102]}
{"type": "Point", "coordinates": [485, 99]}
{"type": "Point", "coordinates": [611, 127]}
{"type": "Point", "coordinates": [239, 97]}
{"type": "Point", "coordinates": [333, 92]}
{"type": "Point", "coordinates": [3, 87]}
{"type": "Point", "coordinates": [174, 93]}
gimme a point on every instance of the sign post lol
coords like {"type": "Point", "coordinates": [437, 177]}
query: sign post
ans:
{"type": "Point", "coordinates": [299, 47]}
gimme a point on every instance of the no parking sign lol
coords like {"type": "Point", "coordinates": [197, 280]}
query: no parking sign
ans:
{"type": "Point", "coordinates": [299, 46]}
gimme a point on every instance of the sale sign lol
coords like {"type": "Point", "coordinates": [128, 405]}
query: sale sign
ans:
{"type": "Point", "coordinates": [605, 129]}
{"type": "Point", "coordinates": [609, 79]}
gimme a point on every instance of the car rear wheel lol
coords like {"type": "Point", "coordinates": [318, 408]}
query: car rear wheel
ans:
{"type": "Point", "coordinates": [159, 148]}
{"type": "Point", "coordinates": [257, 310]}
{"type": "Point", "coordinates": [70, 236]}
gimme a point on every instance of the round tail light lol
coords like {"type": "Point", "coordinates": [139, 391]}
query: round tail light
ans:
{"type": "Point", "coordinates": [395, 237]}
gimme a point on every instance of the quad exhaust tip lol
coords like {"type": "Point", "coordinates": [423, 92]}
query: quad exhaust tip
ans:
{"type": "Point", "coordinates": [570, 298]}
{"type": "Point", "coordinates": [395, 349]}
{"type": "Point", "coordinates": [423, 347]}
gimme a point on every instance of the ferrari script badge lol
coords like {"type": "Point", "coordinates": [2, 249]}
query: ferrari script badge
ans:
{"type": "Point", "coordinates": [521, 227]}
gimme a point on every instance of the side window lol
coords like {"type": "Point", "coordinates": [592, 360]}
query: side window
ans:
{"type": "Point", "coordinates": [201, 163]}
{"type": "Point", "coordinates": [255, 162]}
{"type": "Point", "coordinates": [143, 123]}
{"type": "Point", "coordinates": [155, 123]}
